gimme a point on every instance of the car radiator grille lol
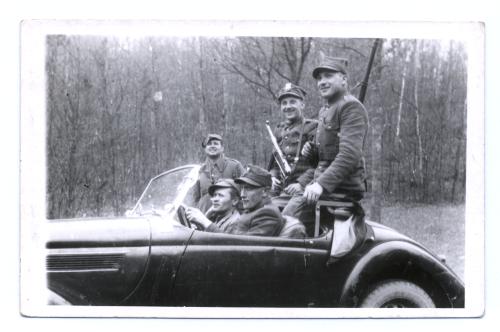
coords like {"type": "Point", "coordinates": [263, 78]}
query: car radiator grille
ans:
{"type": "Point", "coordinates": [84, 262]}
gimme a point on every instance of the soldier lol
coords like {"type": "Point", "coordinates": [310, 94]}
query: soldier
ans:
{"type": "Point", "coordinates": [338, 147]}
{"type": "Point", "coordinates": [215, 167]}
{"type": "Point", "coordinates": [291, 135]}
{"type": "Point", "coordinates": [259, 217]}
{"type": "Point", "coordinates": [225, 197]}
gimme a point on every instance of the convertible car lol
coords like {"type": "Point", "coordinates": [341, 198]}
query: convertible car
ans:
{"type": "Point", "coordinates": [153, 257]}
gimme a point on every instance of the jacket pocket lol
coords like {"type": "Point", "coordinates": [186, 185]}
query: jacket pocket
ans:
{"type": "Point", "coordinates": [290, 146]}
{"type": "Point", "coordinates": [329, 144]}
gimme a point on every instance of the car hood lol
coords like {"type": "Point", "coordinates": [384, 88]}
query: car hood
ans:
{"type": "Point", "coordinates": [98, 232]}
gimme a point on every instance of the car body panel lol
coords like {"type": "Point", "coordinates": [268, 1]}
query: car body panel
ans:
{"type": "Point", "coordinates": [168, 245]}
{"type": "Point", "coordinates": [114, 261]}
{"type": "Point", "coordinates": [153, 260]}
{"type": "Point", "coordinates": [91, 261]}
{"type": "Point", "coordinates": [395, 256]}
{"type": "Point", "coordinates": [237, 270]}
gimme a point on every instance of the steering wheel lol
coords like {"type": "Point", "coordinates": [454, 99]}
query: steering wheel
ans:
{"type": "Point", "coordinates": [181, 213]}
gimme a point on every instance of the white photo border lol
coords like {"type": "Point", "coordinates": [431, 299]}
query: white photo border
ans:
{"type": "Point", "coordinates": [33, 177]}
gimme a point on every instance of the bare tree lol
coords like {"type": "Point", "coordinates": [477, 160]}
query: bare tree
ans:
{"type": "Point", "coordinates": [265, 63]}
{"type": "Point", "coordinates": [120, 111]}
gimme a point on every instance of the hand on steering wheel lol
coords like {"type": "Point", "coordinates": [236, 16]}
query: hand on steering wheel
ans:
{"type": "Point", "coordinates": [181, 214]}
{"type": "Point", "coordinates": [198, 218]}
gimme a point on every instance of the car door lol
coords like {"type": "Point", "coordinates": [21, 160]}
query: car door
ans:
{"type": "Point", "coordinates": [241, 271]}
{"type": "Point", "coordinates": [325, 278]}
{"type": "Point", "coordinates": [328, 277]}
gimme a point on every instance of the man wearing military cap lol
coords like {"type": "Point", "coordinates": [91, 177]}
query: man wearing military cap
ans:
{"type": "Point", "coordinates": [215, 167]}
{"type": "Point", "coordinates": [291, 134]}
{"type": "Point", "coordinates": [340, 136]}
{"type": "Point", "coordinates": [260, 217]}
{"type": "Point", "coordinates": [338, 144]}
{"type": "Point", "coordinates": [225, 197]}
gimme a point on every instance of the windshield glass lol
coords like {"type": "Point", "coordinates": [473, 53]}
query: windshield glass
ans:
{"type": "Point", "coordinates": [167, 191]}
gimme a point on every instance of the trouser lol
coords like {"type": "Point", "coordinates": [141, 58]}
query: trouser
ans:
{"type": "Point", "coordinates": [342, 220]}
{"type": "Point", "coordinates": [279, 190]}
{"type": "Point", "coordinates": [298, 208]}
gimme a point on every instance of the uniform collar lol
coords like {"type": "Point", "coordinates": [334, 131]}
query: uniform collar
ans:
{"type": "Point", "coordinates": [219, 163]}
{"type": "Point", "coordinates": [336, 98]}
{"type": "Point", "coordinates": [297, 121]}
{"type": "Point", "coordinates": [265, 201]}
{"type": "Point", "coordinates": [228, 214]}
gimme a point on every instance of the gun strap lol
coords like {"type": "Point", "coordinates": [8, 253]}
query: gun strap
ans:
{"type": "Point", "coordinates": [299, 145]}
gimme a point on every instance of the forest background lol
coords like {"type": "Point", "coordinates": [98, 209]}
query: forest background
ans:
{"type": "Point", "coordinates": [121, 110]}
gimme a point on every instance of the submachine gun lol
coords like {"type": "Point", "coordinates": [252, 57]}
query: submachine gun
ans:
{"type": "Point", "coordinates": [283, 164]}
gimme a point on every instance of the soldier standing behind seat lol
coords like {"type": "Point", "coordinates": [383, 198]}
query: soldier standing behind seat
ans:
{"type": "Point", "coordinates": [338, 147]}
{"type": "Point", "coordinates": [291, 135]}
{"type": "Point", "coordinates": [215, 167]}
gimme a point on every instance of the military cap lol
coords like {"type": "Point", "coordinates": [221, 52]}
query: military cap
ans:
{"type": "Point", "coordinates": [223, 183]}
{"type": "Point", "coordinates": [331, 64]}
{"type": "Point", "coordinates": [209, 138]}
{"type": "Point", "coordinates": [291, 90]}
{"type": "Point", "coordinates": [255, 176]}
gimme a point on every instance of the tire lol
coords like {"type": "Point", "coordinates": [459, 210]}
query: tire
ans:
{"type": "Point", "coordinates": [397, 294]}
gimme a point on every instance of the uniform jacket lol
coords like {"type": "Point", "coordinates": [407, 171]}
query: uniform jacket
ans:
{"type": "Point", "coordinates": [265, 220]}
{"type": "Point", "coordinates": [210, 173]}
{"type": "Point", "coordinates": [290, 141]}
{"type": "Point", "coordinates": [338, 146]}
{"type": "Point", "coordinates": [224, 221]}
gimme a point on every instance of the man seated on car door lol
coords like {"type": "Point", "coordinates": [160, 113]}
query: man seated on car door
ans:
{"type": "Point", "coordinates": [259, 216]}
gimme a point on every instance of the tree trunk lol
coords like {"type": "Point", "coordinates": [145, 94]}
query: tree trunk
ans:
{"type": "Point", "coordinates": [377, 124]}
{"type": "Point", "coordinates": [377, 192]}
{"type": "Point", "coordinates": [458, 153]}
{"type": "Point", "coordinates": [417, 118]}
{"type": "Point", "coordinates": [401, 96]}
{"type": "Point", "coordinates": [254, 138]}
{"type": "Point", "coordinates": [157, 99]}
{"type": "Point", "coordinates": [203, 106]}
{"type": "Point", "coordinates": [223, 106]}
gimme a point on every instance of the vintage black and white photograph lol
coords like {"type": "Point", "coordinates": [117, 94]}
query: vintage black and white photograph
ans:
{"type": "Point", "coordinates": [252, 169]}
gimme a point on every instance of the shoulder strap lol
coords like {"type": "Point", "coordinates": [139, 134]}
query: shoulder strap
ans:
{"type": "Point", "coordinates": [297, 154]}
{"type": "Point", "coordinates": [277, 132]}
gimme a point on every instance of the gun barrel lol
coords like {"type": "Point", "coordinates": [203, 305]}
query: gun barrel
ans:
{"type": "Point", "coordinates": [285, 168]}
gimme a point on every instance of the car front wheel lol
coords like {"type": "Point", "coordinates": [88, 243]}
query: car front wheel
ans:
{"type": "Point", "coordinates": [397, 294]}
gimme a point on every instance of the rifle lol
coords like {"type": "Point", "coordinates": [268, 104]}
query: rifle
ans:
{"type": "Point", "coordinates": [364, 83]}
{"type": "Point", "coordinates": [285, 168]}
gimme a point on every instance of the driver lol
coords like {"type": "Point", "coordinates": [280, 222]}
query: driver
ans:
{"type": "Point", "coordinates": [225, 197]}
{"type": "Point", "coordinates": [260, 217]}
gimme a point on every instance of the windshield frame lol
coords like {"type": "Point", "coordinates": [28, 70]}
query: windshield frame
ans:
{"type": "Point", "coordinates": [133, 212]}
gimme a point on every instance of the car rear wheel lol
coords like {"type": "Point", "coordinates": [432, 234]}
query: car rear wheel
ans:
{"type": "Point", "coordinates": [397, 294]}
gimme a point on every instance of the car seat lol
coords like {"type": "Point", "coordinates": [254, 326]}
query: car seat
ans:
{"type": "Point", "coordinates": [293, 228]}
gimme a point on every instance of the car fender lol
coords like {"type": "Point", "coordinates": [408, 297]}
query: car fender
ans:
{"type": "Point", "coordinates": [402, 260]}
{"type": "Point", "coordinates": [97, 261]}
